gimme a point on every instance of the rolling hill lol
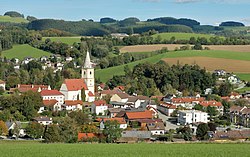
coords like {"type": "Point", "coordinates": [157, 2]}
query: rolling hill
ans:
{"type": "Point", "coordinates": [12, 19]}
{"type": "Point", "coordinates": [22, 51]}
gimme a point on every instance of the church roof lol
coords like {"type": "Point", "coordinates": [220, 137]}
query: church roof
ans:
{"type": "Point", "coordinates": [75, 84]}
{"type": "Point", "coordinates": [87, 63]}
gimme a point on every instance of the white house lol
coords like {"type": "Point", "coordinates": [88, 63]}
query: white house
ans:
{"type": "Point", "coordinates": [44, 120]}
{"type": "Point", "coordinates": [99, 107]}
{"type": "Point", "coordinates": [120, 97]}
{"type": "Point", "coordinates": [166, 109]}
{"type": "Point", "coordinates": [68, 59]}
{"type": "Point", "coordinates": [73, 105]}
{"type": "Point", "coordinates": [233, 79]}
{"type": "Point", "coordinates": [52, 95]}
{"type": "Point", "coordinates": [156, 128]}
{"type": "Point", "coordinates": [2, 84]}
{"type": "Point", "coordinates": [121, 121]}
{"type": "Point", "coordinates": [51, 104]}
{"type": "Point", "coordinates": [192, 116]}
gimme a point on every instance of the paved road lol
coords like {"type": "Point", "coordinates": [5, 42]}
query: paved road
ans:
{"type": "Point", "coordinates": [169, 125]}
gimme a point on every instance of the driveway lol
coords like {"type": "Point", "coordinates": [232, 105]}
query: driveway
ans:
{"type": "Point", "coordinates": [166, 119]}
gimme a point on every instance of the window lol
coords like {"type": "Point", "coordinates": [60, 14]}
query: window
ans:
{"type": "Point", "coordinates": [90, 72]}
{"type": "Point", "coordinates": [84, 73]}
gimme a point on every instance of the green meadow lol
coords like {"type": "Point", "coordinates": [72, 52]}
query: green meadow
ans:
{"type": "Point", "coordinates": [181, 36]}
{"type": "Point", "coordinates": [13, 19]}
{"type": "Point", "coordinates": [106, 74]}
{"type": "Point", "coordinates": [32, 149]}
{"type": "Point", "coordinates": [22, 51]}
{"type": "Point", "coordinates": [66, 40]}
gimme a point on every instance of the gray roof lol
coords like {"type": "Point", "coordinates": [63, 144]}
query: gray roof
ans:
{"type": "Point", "coordinates": [9, 124]}
{"type": "Point", "coordinates": [42, 118]}
{"type": "Point", "coordinates": [138, 134]}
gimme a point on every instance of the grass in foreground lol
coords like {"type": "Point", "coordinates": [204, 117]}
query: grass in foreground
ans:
{"type": "Point", "coordinates": [31, 149]}
{"type": "Point", "coordinates": [22, 51]}
{"type": "Point", "coordinates": [106, 74]}
{"type": "Point", "coordinates": [66, 40]}
{"type": "Point", "coordinates": [13, 19]}
{"type": "Point", "coordinates": [182, 36]}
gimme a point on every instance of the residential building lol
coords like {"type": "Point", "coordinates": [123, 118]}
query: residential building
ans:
{"type": "Point", "coordinates": [166, 109]}
{"type": "Point", "coordinates": [44, 120]}
{"type": "Point", "coordinates": [121, 121]}
{"type": "Point", "coordinates": [192, 116]}
{"type": "Point", "coordinates": [51, 104]}
{"type": "Point", "coordinates": [2, 84]}
{"type": "Point", "coordinates": [72, 105]}
{"type": "Point", "coordinates": [35, 88]}
{"type": "Point", "coordinates": [120, 97]}
{"type": "Point", "coordinates": [52, 95]}
{"type": "Point", "coordinates": [156, 128]}
{"type": "Point", "coordinates": [240, 115]}
{"type": "Point", "coordinates": [233, 79]}
{"type": "Point", "coordinates": [129, 116]}
{"type": "Point", "coordinates": [99, 107]}
{"type": "Point", "coordinates": [187, 102]}
{"type": "Point", "coordinates": [218, 105]}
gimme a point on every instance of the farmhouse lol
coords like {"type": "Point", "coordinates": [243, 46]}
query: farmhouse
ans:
{"type": "Point", "coordinates": [72, 105]}
{"type": "Point", "coordinates": [35, 88]}
{"type": "Point", "coordinates": [52, 94]}
{"type": "Point", "coordinates": [99, 107]}
{"type": "Point", "coordinates": [51, 104]}
{"type": "Point", "coordinates": [43, 120]}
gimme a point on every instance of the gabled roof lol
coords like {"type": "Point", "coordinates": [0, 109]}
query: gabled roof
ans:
{"type": "Point", "coordinates": [210, 103]}
{"type": "Point", "coordinates": [123, 95]}
{"type": "Point", "coordinates": [187, 99]}
{"type": "Point", "coordinates": [24, 88]}
{"type": "Point", "coordinates": [51, 102]}
{"type": "Point", "coordinates": [119, 120]}
{"type": "Point", "coordinates": [42, 118]}
{"type": "Point", "coordinates": [111, 92]}
{"type": "Point", "coordinates": [75, 84]}
{"type": "Point", "coordinates": [100, 103]}
{"type": "Point", "coordinates": [73, 102]}
{"type": "Point", "coordinates": [155, 126]}
{"type": "Point", "coordinates": [237, 108]}
{"type": "Point", "coordinates": [50, 92]}
{"type": "Point", "coordinates": [139, 115]}
{"type": "Point", "coordinates": [132, 99]}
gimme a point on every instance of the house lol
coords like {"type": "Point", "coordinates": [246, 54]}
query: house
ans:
{"type": "Point", "coordinates": [11, 125]}
{"type": "Point", "coordinates": [156, 128]}
{"type": "Point", "coordinates": [43, 58]}
{"type": "Point", "coordinates": [69, 59]}
{"type": "Point", "coordinates": [218, 105]}
{"type": "Point", "coordinates": [129, 116]}
{"type": "Point", "coordinates": [231, 135]}
{"type": "Point", "coordinates": [133, 102]}
{"type": "Point", "coordinates": [27, 60]}
{"type": "Point", "coordinates": [233, 79]}
{"type": "Point", "coordinates": [72, 105]}
{"type": "Point", "coordinates": [52, 94]}
{"type": "Point", "coordinates": [2, 84]}
{"type": "Point", "coordinates": [51, 104]}
{"type": "Point", "coordinates": [119, 97]}
{"type": "Point", "coordinates": [240, 115]}
{"type": "Point", "coordinates": [119, 35]}
{"type": "Point", "coordinates": [110, 93]}
{"type": "Point", "coordinates": [187, 102]}
{"type": "Point", "coordinates": [140, 135]}
{"type": "Point", "coordinates": [99, 107]}
{"type": "Point", "coordinates": [235, 96]}
{"type": "Point", "coordinates": [121, 121]}
{"type": "Point", "coordinates": [166, 109]}
{"type": "Point", "coordinates": [44, 120]}
{"type": "Point", "coordinates": [35, 88]}
{"type": "Point", "coordinates": [153, 110]}
{"type": "Point", "coordinates": [192, 116]}
{"type": "Point", "coordinates": [112, 112]}
{"type": "Point", "coordinates": [220, 72]}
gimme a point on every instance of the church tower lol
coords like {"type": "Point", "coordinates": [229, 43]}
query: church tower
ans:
{"type": "Point", "coordinates": [88, 74]}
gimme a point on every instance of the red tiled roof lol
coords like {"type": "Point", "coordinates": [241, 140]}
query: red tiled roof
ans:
{"type": "Point", "coordinates": [72, 102]}
{"type": "Point", "coordinates": [50, 92]}
{"type": "Point", "coordinates": [86, 136]}
{"type": "Point", "coordinates": [100, 103]}
{"type": "Point", "coordinates": [90, 94]}
{"type": "Point", "coordinates": [187, 99]}
{"type": "Point", "coordinates": [75, 84]}
{"type": "Point", "coordinates": [210, 103]}
{"type": "Point", "coordinates": [111, 92]}
{"type": "Point", "coordinates": [24, 88]}
{"type": "Point", "coordinates": [51, 102]}
{"type": "Point", "coordinates": [119, 120]}
{"type": "Point", "coordinates": [236, 108]}
{"type": "Point", "coordinates": [169, 106]}
{"type": "Point", "coordinates": [139, 115]}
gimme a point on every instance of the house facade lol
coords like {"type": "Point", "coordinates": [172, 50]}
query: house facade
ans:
{"type": "Point", "coordinates": [2, 84]}
{"type": "Point", "coordinates": [192, 116]}
{"type": "Point", "coordinates": [99, 107]}
{"type": "Point", "coordinates": [52, 95]}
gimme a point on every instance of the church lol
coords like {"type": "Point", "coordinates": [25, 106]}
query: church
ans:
{"type": "Point", "coordinates": [73, 88]}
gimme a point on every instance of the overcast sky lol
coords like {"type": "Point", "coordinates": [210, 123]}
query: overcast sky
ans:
{"type": "Point", "coordinates": [210, 12]}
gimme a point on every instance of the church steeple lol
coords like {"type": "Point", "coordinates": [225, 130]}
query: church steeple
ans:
{"type": "Point", "coordinates": [87, 63]}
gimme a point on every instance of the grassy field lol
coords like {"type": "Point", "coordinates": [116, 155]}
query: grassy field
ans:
{"type": "Point", "coordinates": [105, 74]}
{"type": "Point", "coordinates": [12, 19]}
{"type": "Point", "coordinates": [243, 90]}
{"type": "Point", "coordinates": [67, 40]}
{"type": "Point", "coordinates": [22, 51]}
{"type": "Point", "coordinates": [181, 36]}
{"type": "Point", "coordinates": [245, 77]}
{"type": "Point", "coordinates": [29, 149]}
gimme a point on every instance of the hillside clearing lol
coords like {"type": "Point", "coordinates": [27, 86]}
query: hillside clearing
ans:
{"type": "Point", "coordinates": [211, 64]}
{"type": "Point", "coordinates": [66, 40]}
{"type": "Point", "coordinates": [181, 36]}
{"type": "Point", "coordinates": [155, 47]}
{"type": "Point", "coordinates": [31, 149]}
{"type": "Point", "coordinates": [22, 51]}
{"type": "Point", "coordinates": [13, 19]}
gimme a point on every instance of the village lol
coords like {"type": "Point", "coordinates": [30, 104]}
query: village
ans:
{"type": "Point", "coordinates": [172, 117]}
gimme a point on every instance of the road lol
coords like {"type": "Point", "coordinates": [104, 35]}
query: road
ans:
{"type": "Point", "coordinates": [165, 119]}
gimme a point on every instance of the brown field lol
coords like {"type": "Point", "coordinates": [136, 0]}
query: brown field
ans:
{"type": "Point", "coordinates": [211, 64]}
{"type": "Point", "coordinates": [150, 48]}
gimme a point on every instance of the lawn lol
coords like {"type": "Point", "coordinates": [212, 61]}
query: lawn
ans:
{"type": "Point", "coordinates": [106, 74]}
{"type": "Point", "coordinates": [182, 36]}
{"type": "Point", "coordinates": [22, 51]}
{"type": "Point", "coordinates": [13, 19]}
{"type": "Point", "coordinates": [243, 90]}
{"type": "Point", "coordinates": [242, 76]}
{"type": "Point", "coordinates": [67, 40]}
{"type": "Point", "coordinates": [32, 149]}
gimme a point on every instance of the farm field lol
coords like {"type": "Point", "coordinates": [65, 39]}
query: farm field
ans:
{"type": "Point", "coordinates": [212, 64]}
{"type": "Point", "coordinates": [242, 76]}
{"type": "Point", "coordinates": [243, 90]}
{"type": "Point", "coordinates": [22, 51]}
{"type": "Point", "coordinates": [181, 36]}
{"type": "Point", "coordinates": [149, 48]}
{"type": "Point", "coordinates": [106, 74]}
{"type": "Point", "coordinates": [67, 40]}
{"type": "Point", "coordinates": [31, 149]}
{"type": "Point", "coordinates": [12, 19]}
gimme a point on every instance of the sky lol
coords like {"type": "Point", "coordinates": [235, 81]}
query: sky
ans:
{"type": "Point", "coordinates": [211, 12]}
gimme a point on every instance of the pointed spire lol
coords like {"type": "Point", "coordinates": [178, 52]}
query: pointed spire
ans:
{"type": "Point", "coordinates": [87, 63]}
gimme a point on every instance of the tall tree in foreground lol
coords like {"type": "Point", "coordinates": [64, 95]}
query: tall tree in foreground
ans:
{"type": "Point", "coordinates": [112, 131]}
